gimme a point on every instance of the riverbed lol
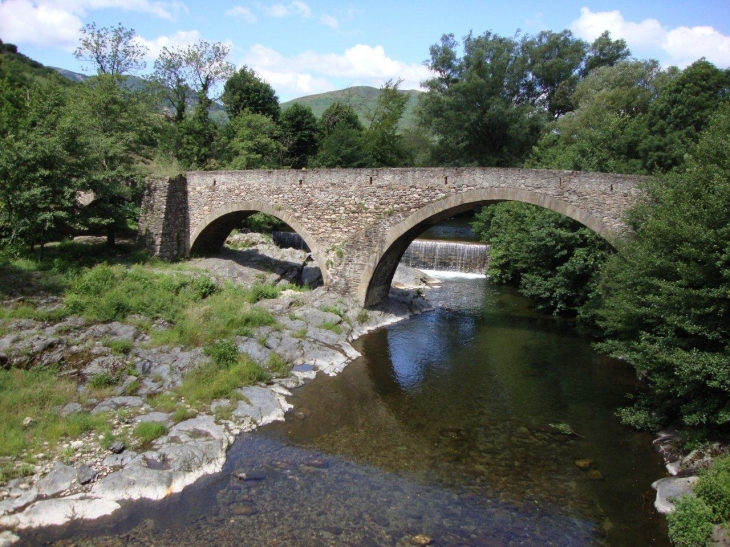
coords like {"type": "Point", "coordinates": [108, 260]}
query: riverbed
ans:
{"type": "Point", "coordinates": [441, 431]}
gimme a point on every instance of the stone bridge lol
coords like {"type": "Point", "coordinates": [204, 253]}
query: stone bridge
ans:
{"type": "Point", "coordinates": [358, 222]}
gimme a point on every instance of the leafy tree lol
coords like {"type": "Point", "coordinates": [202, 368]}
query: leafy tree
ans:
{"type": "Point", "coordinates": [244, 90]}
{"type": "Point", "coordinates": [41, 161]}
{"type": "Point", "coordinates": [666, 296]}
{"type": "Point", "coordinates": [553, 65]}
{"type": "Point", "coordinates": [607, 128]}
{"type": "Point", "coordinates": [550, 257]}
{"type": "Point", "coordinates": [474, 105]}
{"type": "Point", "coordinates": [171, 76]}
{"type": "Point", "coordinates": [111, 50]}
{"type": "Point", "coordinates": [384, 144]}
{"type": "Point", "coordinates": [676, 118]}
{"type": "Point", "coordinates": [343, 147]}
{"type": "Point", "coordinates": [337, 113]}
{"type": "Point", "coordinates": [299, 130]}
{"type": "Point", "coordinates": [253, 142]}
{"type": "Point", "coordinates": [605, 52]}
{"type": "Point", "coordinates": [118, 126]}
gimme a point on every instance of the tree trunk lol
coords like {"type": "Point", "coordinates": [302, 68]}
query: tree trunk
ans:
{"type": "Point", "coordinates": [110, 236]}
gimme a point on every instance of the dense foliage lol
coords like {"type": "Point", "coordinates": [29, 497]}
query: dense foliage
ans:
{"type": "Point", "coordinates": [692, 522]}
{"type": "Point", "coordinates": [552, 259]}
{"type": "Point", "coordinates": [666, 296]}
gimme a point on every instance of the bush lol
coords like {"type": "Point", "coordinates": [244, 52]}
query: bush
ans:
{"type": "Point", "coordinates": [714, 489]}
{"type": "Point", "coordinates": [691, 524]}
{"type": "Point", "coordinates": [278, 365]}
{"type": "Point", "coordinates": [224, 353]}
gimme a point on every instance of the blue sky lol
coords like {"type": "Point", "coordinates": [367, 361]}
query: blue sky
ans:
{"type": "Point", "coordinates": [309, 46]}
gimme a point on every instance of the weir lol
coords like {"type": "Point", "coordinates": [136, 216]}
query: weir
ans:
{"type": "Point", "coordinates": [447, 256]}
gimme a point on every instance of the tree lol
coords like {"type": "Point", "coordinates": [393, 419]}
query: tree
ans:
{"type": "Point", "coordinates": [338, 113]}
{"type": "Point", "coordinates": [605, 52]}
{"type": "Point", "coordinates": [118, 126]}
{"type": "Point", "coordinates": [171, 76]}
{"type": "Point", "coordinates": [111, 50]}
{"type": "Point", "coordinates": [41, 162]}
{"type": "Point", "coordinates": [299, 135]}
{"type": "Point", "coordinates": [666, 296]}
{"type": "Point", "coordinates": [607, 128]}
{"type": "Point", "coordinates": [676, 118]}
{"type": "Point", "coordinates": [244, 90]}
{"type": "Point", "coordinates": [475, 106]}
{"type": "Point", "coordinates": [206, 65]}
{"type": "Point", "coordinates": [384, 144]}
{"type": "Point", "coordinates": [343, 147]}
{"type": "Point", "coordinates": [253, 142]}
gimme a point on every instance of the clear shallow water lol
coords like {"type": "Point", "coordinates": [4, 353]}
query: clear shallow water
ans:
{"type": "Point", "coordinates": [442, 428]}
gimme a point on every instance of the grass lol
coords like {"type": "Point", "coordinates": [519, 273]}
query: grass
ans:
{"type": "Point", "coordinates": [146, 432]}
{"type": "Point", "coordinates": [213, 381]}
{"type": "Point", "coordinates": [278, 366]}
{"type": "Point", "coordinates": [38, 394]}
{"type": "Point", "coordinates": [119, 347]}
{"type": "Point", "coordinates": [331, 326]}
{"type": "Point", "coordinates": [363, 316]}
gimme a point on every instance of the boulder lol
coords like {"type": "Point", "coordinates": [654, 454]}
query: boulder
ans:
{"type": "Point", "coordinates": [669, 488]}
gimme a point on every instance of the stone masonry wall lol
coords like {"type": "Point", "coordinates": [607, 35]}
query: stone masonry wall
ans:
{"type": "Point", "coordinates": [350, 217]}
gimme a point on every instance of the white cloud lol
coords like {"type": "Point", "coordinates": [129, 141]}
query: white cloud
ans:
{"type": "Point", "coordinates": [57, 23]}
{"type": "Point", "coordinates": [180, 39]}
{"type": "Point", "coordinates": [311, 72]}
{"type": "Point", "coordinates": [296, 7]}
{"type": "Point", "coordinates": [330, 21]}
{"type": "Point", "coordinates": [679, 46]}
{"type": "Point", "coordinates": [244, 13]}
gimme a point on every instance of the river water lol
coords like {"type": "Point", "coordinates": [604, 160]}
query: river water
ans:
{"type": "Point", "coordinates": [441, 429]}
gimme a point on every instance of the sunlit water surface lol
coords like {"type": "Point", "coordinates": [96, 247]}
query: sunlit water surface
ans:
{"type": "Point", "coordinates": [442, 429]}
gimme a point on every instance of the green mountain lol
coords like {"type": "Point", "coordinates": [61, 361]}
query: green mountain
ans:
{"type": "Point", "coordinates": [361, 98]}
{"type": "Point", "coordinates": [19, 70]}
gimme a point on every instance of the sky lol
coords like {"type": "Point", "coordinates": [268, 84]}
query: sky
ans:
{"type": "Point", "coordinates": [302, 47]}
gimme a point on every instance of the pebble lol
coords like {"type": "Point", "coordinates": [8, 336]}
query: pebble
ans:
{"type": "Point", "coordinates": [420, 539]}
{"type": "Point", "coordinates": [117, 447]}
{"type": "Point", "coordinates": [583, 464]}
{"type": "Point", "coordinates": [595, 475]}
{"type": "Point", "coordinates": [251, 475]}
{"type": "Point", "coordinates": [316, 463]}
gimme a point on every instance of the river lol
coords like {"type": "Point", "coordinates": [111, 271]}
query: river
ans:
{"type": "Point", "coordinates": [441, 429]}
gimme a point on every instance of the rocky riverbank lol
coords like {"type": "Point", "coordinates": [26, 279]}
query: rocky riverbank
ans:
{"type": "Point", "coordinates": [89, 476]}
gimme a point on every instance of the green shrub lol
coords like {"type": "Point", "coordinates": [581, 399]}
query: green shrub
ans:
{"type": "Point", "coordinates": [146, 432]}
{"type": "Point", "coordinates": [691, 523]}
{"type": "Point", "coordinates": [120, 347]}
{"type": "Point", "coordinates": [363, 316]}
{"type": "Point", "coordinates": [714, 488]}
{"type": "Point", "coordinates": [224, 353]}
{"type": "Point", "coordinates": [102, 380]}
{"type": "Point", "coordinates": [278, 365]}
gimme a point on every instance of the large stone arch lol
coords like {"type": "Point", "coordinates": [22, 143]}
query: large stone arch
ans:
{"type": "Point", "coordinates": [380, 267]}
{"type": "Point", "coordinates": [211, 233]}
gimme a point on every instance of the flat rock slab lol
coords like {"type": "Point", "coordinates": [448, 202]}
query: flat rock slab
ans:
{"type": "Point", "coordinates": [161, 417]}
{"type": "Point", "coordinates": [117, 402]}
{"type": "Point", "coordinates": [261, 406]}
{"type": "Point", "coordinates": [60, 511]}
{"type": "Point", "coordinates": [672, 487]}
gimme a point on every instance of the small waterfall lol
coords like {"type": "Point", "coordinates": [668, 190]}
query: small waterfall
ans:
{"type": "Point", "coordinates": [289, 240]}
{"type": "Point", "coordinates": [447, 256]}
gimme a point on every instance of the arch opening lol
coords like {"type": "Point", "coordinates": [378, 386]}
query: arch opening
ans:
{"type": "Point", "coordinates": [379, 271]}
{"type": "Point", "coordinates": [210, 236]}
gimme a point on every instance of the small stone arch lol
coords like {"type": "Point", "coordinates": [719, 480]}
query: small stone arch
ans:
{"type": "Point", "coordinates": [211, 233]}
{"type": "Point", "coordinates": [380, 267]}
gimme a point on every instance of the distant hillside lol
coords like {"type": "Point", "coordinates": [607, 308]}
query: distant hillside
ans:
{"type": "Point", "coordinates": [21, 71]}
{"type": "Point", "coordinates": [361, 98]}
{"type": "Point", "coordinates": [73, 76]}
